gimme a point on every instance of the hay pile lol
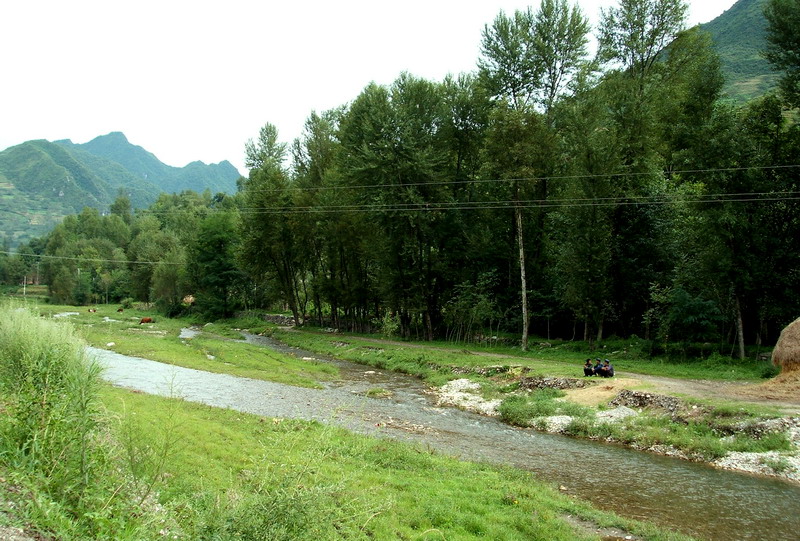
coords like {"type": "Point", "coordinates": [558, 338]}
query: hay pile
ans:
{"type": "Point", "coordinates": [786, 354]}
{"type": "Point", "coordinates": [785, 388]}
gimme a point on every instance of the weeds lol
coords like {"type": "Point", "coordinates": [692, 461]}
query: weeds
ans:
{"type": "Point", "coordinates": [53, 436]}
{"type": "Point", "coordinates": [523, 410]}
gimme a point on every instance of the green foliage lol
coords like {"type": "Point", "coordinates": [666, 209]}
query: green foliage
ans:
{"type": "Point", "coordinates": [523, 410]}
{"type": "Point", "coordinates": [739, 36]}
{"type": "Point", "coordinates": [215, 276]}
{"type": "Point", "coordinates": [49, 390]}
{"type": "Point", "coordinates": [51, 180]}
{"type": "Point", "coordinates": [783, 44]}
{"type": "Point", "coordinates": [53, 435]}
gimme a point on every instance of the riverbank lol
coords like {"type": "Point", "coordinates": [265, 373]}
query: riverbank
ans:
{"type": "Point", "coordinates": [676, 494]}
{"type": "Point", "coordinates": [466, 394]}
{"type": "Point", "coordinates": [165, 467]}
{"type": "Point", "coordinates": [729, 422]}
{"type": "Point", "coordinates": [746, 426]}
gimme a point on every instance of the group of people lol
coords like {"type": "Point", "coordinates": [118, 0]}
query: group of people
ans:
{"type": "Point", "coordinates": [603, 369]}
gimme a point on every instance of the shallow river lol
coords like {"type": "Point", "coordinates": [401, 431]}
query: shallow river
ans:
{"type": "Point", "coordinates": [692, 498]}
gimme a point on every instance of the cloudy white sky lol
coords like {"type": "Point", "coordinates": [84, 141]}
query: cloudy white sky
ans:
{"type": "Point", "coordinates": [193, 80]}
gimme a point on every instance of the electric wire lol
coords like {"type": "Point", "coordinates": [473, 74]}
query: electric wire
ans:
{"type": "Point", "coordinates": [524, 179]}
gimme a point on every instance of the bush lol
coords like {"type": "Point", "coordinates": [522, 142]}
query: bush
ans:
{"type": "Point", "coordinates": [51, 406]}
{"type": "Point", "coordinates": [520, 410]}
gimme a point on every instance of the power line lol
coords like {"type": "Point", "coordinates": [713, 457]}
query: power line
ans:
{"type": "Point", "coordinates": [88, 259]}
{"type": "Point", "coordinates": [564, 202]}
{"type": "Point", "coordinates": [521, 204]}
{"type": "Point", "coordinates": [521, 179]}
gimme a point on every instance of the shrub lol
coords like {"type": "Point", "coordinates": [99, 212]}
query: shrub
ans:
{"type": "Point", "coordinates": [51, 406]}
{"type": "Point", "coordinates": [53, 437]}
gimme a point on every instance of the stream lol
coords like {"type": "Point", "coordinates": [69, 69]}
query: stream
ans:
{"type": "Point", "coordinates": [695, 499]}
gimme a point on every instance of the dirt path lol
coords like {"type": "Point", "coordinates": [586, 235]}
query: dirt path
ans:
{"type": "Point", "coordinates": [782, 392]}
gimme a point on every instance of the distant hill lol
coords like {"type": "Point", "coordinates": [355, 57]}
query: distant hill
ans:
{"type": "Point", "coordinates": [739, 36]}
{"type": "Point", "coordinates": [43, 181]}
{"type": "Point", "coordinates": [196, 176]}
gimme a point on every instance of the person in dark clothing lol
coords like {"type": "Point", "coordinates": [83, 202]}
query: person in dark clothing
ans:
{"type": "Point", "coordinates": [588, 369]}
{"type": "Point", "coordinates": [607, 370]}
{"type": "Point", "coordinates": [598, 367]}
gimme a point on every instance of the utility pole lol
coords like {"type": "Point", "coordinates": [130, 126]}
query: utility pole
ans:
{"type": "Point", "coordinates": [24, 283]}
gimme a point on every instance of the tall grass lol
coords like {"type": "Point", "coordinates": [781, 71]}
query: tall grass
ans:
{"type": "Point", "coordinates": [54, 443]}
{"type": "Point", "coordinates": [50, 391]}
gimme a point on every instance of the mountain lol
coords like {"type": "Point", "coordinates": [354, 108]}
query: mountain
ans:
{"type": "Point", "coordinates": [197, 176]}
{"type": "Point", "coordinates": [43, 181]}
{"type": "Point", "coordinates": [739, 36]}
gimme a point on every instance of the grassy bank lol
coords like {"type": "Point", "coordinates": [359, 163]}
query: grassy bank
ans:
{"type": "Point", "coordinates": [79, 460]}
{"type": "Point", "coordinates": [556, 358]}
{"type": "Point", "coordinates": [698, 429]}
{"type": "Point", "coordinates": [273, 479]}
{"type": "Point", "coordinates": [703, 430]}
{"type": "Point", "coordinates": [217, 349]}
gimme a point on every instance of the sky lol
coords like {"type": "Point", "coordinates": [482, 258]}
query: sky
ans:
{"type": "Point", "coordinates": [194, 80]}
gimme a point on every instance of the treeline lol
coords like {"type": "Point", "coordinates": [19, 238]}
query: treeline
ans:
{"type": "Point", "coordinates": [550, 192]}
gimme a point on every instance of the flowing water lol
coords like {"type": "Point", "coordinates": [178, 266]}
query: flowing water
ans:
{"type": "Point", "coordinates": [692, 498]}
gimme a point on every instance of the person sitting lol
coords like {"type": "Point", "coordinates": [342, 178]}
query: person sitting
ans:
{"type": "Point", "coordinates": [598, 367]}
{"type": "Point", "coordinates": [588, 369]}
{"type": "Point", "coordinates": [607, 370]}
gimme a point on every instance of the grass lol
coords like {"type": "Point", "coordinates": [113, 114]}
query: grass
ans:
{"type": "Point", "coordinates": [557, 358]}
{"type": "Point", "coordinates": [249, 477]}
{"type": "Point", "coordinates": [706, 437]}
{"type": "Point", "coordinates": [213, 349]}
{"type": "Point", "coordinates": [82, 460]}
{"type": "Point", "coordinates": [524, 409]}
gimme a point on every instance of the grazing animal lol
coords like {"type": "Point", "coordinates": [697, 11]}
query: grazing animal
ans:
{"type": "Point", "coordinates": [146, 320]}
{"type": "Point", "coordinates": [119, 310]}
{"type": "Point", "coordinates": [93, 310]}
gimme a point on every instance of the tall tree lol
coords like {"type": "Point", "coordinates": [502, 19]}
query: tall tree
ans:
{"type": "Point", "coordinates": [559, 44]}
{"type": "Point", "coordinates": [634, 34]}
{"type": "Point", "coordinates": [212, 265]}
{"type": "Point", "coordinates": [783, 44]}
{"type": "Point", "coordinates": [527, 61]}
{"type": "Point", "coordinates": [269, 241]}
{"type": "Point", "coordinates": [507, 65]}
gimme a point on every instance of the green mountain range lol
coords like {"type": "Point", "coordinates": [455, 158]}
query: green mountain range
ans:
{"type": "Point", "coordinates": [43, 181]}
{"type": "Point", "coordinates": [739, 36]}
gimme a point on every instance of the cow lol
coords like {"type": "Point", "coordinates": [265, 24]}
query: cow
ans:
{"type": "Point", "coordinates": [93, 310]}
{"type": "Point", "coordinates": [119, 310]}
{"type": "Point", "coordinates": [146, 320]}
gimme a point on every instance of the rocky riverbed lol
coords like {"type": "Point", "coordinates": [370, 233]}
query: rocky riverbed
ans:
{"type": "Point", "coordinates": [465, 394]}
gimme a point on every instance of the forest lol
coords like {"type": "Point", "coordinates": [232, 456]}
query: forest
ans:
{"type": "Point", "coordinates": [551, 193]}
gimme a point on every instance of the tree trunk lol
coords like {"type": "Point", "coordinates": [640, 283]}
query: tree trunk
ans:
{"type": "Point", "coordinates": [739, 329]}
{"type": "Point", "coordinates": [600, 331]}
{"type": "Point", "coordinates": [523, 279]}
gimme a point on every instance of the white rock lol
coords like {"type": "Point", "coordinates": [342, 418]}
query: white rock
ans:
{"type": "Point", "coordinates": [617, 414]}
{"type": "Point", "coordinates": [556, 423]}
{"type": "Point", "coordinates": [462, 393]}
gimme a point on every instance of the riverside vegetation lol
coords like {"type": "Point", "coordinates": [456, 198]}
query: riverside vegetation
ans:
{"type": "Point", "coordinates": [702, 429]}
{"type": "Point", "coordinates": [83, 460]}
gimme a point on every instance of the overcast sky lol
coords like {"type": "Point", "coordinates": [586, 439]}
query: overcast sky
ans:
{"type": "Point", "coordinates": [194, 80]}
